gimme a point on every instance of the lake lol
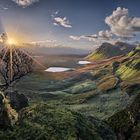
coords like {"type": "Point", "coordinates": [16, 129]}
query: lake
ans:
{"type": "Point", "coordinates": [84, 62]}
{"type": "Point", "coordinates": [63, 69]}
{"type": "Point", "coordinates": [58, 69]}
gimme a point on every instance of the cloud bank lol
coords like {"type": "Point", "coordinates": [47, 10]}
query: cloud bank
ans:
{"type": "Point", "coordinates": [24, 3]}
{"type": "Point", "coordinates": [121, 27]}
{"type": "Point", "coordinates": [47, 43]}
{"type": "Point", "coordinates": [102, 35]}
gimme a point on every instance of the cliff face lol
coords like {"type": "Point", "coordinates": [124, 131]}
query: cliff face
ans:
{"type": "Point", "coordinates": [126, 123]}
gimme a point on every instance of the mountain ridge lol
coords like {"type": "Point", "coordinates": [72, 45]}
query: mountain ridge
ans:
{"type": "Point", "coordinates": [107, 50]}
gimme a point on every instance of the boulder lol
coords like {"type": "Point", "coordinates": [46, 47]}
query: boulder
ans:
{"type": "Point", "coordinates": [115, 66]}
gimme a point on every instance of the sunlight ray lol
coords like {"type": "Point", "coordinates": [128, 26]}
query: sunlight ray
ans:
{"type": "Point", "coordinates": [11, 64]}
{"type": "Point", "coordinates": [6, 50]}
{"type": "Point", "coordinates": [17, 54]}
{"type": "Point", "coordinates": [34, 59]}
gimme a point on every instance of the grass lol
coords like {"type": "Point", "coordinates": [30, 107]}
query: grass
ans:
{"type": "Point", "coordinates": [42, 121]}
{"type": "Point", "coordinates": [95, 56]}
{"type": "Point", "coordinates": [127, 73]}
{"type": "Point", "coordinates": [106, 83]}
{"type": "Point", "coordinates": [101, 105]}
{"type": "Point", "coordinates": [82, 87]}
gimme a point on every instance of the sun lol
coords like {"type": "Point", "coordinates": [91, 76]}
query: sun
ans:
{"type": "Point", "coordinates": [11, 41]}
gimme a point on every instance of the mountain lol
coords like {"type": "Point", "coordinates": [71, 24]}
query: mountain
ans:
{"type": "Point", "coordinates": [56, 50]}
{"type": "Point", "coordinates": [107, 50]}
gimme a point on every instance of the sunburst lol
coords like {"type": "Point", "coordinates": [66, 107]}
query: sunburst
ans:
{"type": "Point", "coordinates": [11, 46]}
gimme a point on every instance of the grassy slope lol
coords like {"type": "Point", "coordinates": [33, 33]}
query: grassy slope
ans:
{"type": "Point", "coordinates": [42, 122]}
{"type": "Point", "coordinates": [129, 69]}
{"type": "Point", "coordinates": [95, 56]}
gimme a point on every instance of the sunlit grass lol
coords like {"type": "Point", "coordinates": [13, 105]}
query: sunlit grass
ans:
{"type": "Point", "coordinates": [95, 56]}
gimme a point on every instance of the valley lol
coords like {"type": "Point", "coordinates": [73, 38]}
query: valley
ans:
{"type": "Point", "coordinates": [99, 89]}
{"type": "Point", "coordinates": [96, 89]}
{"type": "Point", "coordinates": [69, 70]}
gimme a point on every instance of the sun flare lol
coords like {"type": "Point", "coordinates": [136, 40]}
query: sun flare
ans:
{"type": "Point", "coordinates": [11, 41]}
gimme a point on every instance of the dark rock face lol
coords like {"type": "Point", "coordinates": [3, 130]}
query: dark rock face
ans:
{"type": "Point", "coordinates": [125, 47]}
{"type": "Point", "coordinates": [1, 99]}
{"type": "Point", "coordinates": [132, 89]}
{"type": "Point", "coordinates": [17, 101]}
{"type": "Point", "coordinates": [115, 65]}
{"type": "Point", "coordinates": [4, 118]}
{"type": "Point", "coordinates": [109, 50]}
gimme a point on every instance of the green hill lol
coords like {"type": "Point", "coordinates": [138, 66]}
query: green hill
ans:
{"type": "Point", "coordinates": [45, 122]}
{"type": "Point", "coordinates": [107, 50]}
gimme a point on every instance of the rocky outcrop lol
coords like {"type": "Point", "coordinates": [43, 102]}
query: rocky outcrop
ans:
{"type": "Point", "coordinates": [4, 120]}
{"type": "Point", "coordinates": [126, 122]}
{"type": "Point", "coordinates": [17, 101]}
{"type": "Point", "coordinates": [131, 89]}
{"type": "Point", "coordinates": [115, 65]}
{"type": "Point", "coordinates": [8, 116]}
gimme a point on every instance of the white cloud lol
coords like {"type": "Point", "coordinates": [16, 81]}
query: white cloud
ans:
{"type": "Point", "coordinates": [55, 24]}
{"type": "Point", "coordinates": [24, 3]}
{"type": "Point", "coordinates": [58, 21]}
{"type": "Point", "coordinates": [43, 41]}
{"type": "Point", "coordinates": [102, 35]}
{"type": "Point", "coordinates": [121, 24]}
{"type": "Point", "coordinates": [75, 37]}
{"type": "Point", "coordinates": [47, 43]}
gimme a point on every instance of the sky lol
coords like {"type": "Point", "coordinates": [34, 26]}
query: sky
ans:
{"type": "Point", "coordinates": [73, 23]}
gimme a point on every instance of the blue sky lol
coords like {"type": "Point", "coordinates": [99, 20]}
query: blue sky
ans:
{"type": "Point", "coordinates": [74, 23]}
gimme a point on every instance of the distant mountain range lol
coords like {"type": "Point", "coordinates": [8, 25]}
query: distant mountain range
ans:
{"type": "Point", "coordinates": [57, 50]}
{"type": "Point", "coordinates": [107, 50]}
